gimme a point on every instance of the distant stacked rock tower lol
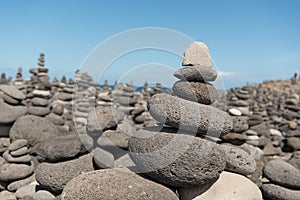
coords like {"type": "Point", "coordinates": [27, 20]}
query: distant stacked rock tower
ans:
{"type": "Point", "coordinates": [170, 153]}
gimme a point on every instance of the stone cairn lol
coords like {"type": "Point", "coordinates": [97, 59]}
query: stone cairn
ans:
{"type": "Point", "coordinates": [199, 164]}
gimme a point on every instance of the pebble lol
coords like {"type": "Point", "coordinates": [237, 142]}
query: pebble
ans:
{"type": "Point", "coordinates": [204, 93]}
{"type": "Point", "coordinates": [43, 195]}
{"type": "Point", "coordinates": [114, 184]}
{"type": "Point", "coordinates": [282, 173]}
{"type": "Point", "coordinates": [6, 195]}
{"type": "Point", "coordinates": [189, 116]}
{"type": "Point", "coordinates": [197, 53]}
{"type": "Point", "coordinates": [36, 101]}
{"type": "Point", "coordinates": [27, 190]}
{"type": "Point", "coordinates": [17, 144]}
{"type": "Point", "coordinates": [276, 192]}
{"type": "Point", "coordinates": [38, 110]}
{"type": "Point", "coordinates": [20, 159]}
{"type": "Point", "coordinates": [9, 114]}
{"type": "Point", "coordinates": [196, 73]}
{"type": "Point", "coordinates": [20, 183]}
{"type": "Point", "coordinates": [12, 91]}
{"type": "Point", "coordinates": [12, 172]}
{"type": "Point", "coordinates": [103, 159]}
{"type": "Point", "coordinates": [275, 132]}
{"type": "Point", "coordinates": [235, 112]}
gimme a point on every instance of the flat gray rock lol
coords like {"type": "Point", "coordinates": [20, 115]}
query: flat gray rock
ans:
{"type": "Point", "coordinates": [55, 119]}
{"type": "Point", "coordinates": [189, 116]}
{"type": "Point", "coordinates": [19, 159]}
{"type": "Point", "coordinates": [36, 101]}
{"type": "Point", "coordinates": [20, 183]}
{"type": "Point", "coordinates": [34, 129]}
{"type": "Point", "coordinates": [115, 184]}
{"type": "Point", "coordinates": [174, 159]}
{"type": "Point", "coordinates": [43, 195]}
{"type": "Point", "coordinates": [103, 118]}
{"type": "Point", "coordinates": [10, 100]}
{"type": "Point", "coordinates": [17, 144]}
{"type": "Point", "coordinates": [282, 173]}
{"type": "Point", "coordinates": [9, 114]}
{"type": "Point", "coordinates": [26, 191]}
{"type": "Point", "coordinates": [12, 91]}
{"type": "Point", "coordinates": [103, 159]}
{"type": "Point", "coordinates": [196, 73]}
{"type": "Point", "coordinates": [12, 172]}
{"type": "Point", "coordinates": [38, 110]}
{"type": "Point", "coordinates": [54, 177]}
{"type": "Point", "coordinates": [197, 53]}
{"type": "Point", "coordinates": [204, 93]}
{"type": "Point", "coordinates": [276, 192]}
{"type": "Point", "coordinates": [238, 160]}
{"type": "Point", "coordinates": [62, 147]}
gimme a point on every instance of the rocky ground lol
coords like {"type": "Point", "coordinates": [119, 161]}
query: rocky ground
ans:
{"type": "Point", "coordinates": [74, 140]}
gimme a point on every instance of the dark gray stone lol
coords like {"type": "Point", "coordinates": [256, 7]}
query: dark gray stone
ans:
{"type": "Point", "coordinates": [282, 173]}
{"type": "Point", "coordinates": [204, 93]}
{"type": "Point", "coordinates": [9, 114]}
{"type": "Point", "coordinates": [114, 184]}
{"type": "Point", "coordinates": [38, 110]}
{"type": "Point", "coordinates": [54, 177]}
{"type": "Point", "coordinates": [36, 101]}
{"type": "Point", "coordinates": [189, 116]}
{"type": "Point", "coordinates": [276, 192]}
{"type": "Point", "coordinates": [179, 160]}
{"type": "Point", "coordinates": [196, 73]}
{"type": "Point", "coordinates": [34, 129]}
{"type": "Point", "coordinates": [12, 91]}
{"type": "Point", "coordinates": [240, 124]}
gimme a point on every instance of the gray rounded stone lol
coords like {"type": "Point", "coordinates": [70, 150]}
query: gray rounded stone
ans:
{"type": "Point", "coordinates": [204, 93]}
{"type": "Point", "coordinates": [20, 152]}
{"type": "Point", "coordinates": [17, 144]}
{"type": "Point", "coordinates": [103, 118]}
{"type": "Point", "coordinates": [240, 124]}
{"type": "Point", "coordinates": [103, 159]}
{"type": "Point", "coordinates": [43, 195]}
{"type": "Point", "coordinates": [276, 192]}
{"type": "Point", "coordinates": [10, 113]}
{"type": "Point", "coordinates": [38, 110]}
{"type": "Point", "coordinates": [55, 119]}
{"type": "Point", "coordinates": [34, 129]}
{"type": "Point", "coordinates": [179, 160]}
{"type": "Point", "coordinates": [55, 176]}
{"type": "Point", "coordinates": [62, 147]}
{"type": "Point", "coordinates": [26, 191]}
{"type": "Point", "coordinates": [36, 101]}
{"type": "Point", "coordinates": [189, 116]}
{"type": "Point", "coordinates": [10, 100]}
{"type": "Point", "coordinates": [196, 73]}
{"type": "Point", "coordinates": [58, 109]}
{"type": "Point", "coordinates": [282, 173]}
{"type": "Point", "coordinates": [114, 184]}
{"type": "Point", "coordinates": [11, 172]}
{"type": "Point", "coordinates": [20, 183]}
{"type": "Point", "coordinates": [12, 91]}
{"type": "Point", "coordinates": [238, 160]}
{"type": "Point", "coordinates": [20, 159]}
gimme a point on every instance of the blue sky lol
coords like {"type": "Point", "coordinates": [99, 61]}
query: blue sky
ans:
{"type": "Point", "coordinates": [250, 41]}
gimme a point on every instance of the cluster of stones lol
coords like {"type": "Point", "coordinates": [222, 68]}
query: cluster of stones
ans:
{"type": "Point", "coordinates": [172, 155]}
{"type": "Point", "coordinates": [272, 137]}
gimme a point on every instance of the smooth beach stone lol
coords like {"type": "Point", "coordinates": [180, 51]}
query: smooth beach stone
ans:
{"type": "Point", "coordinates": [238, 160]}
{"type": "Point", "coordinates": [19, 152]}
{"type": "Point", "coordinates": [38, 110]}
{"type": "Point", "coordinates": [43, 195]}
{"type": "Point", "coordinates": [282, 173]}
{"type": "Point", "coordinates": [34, 129]}
{"type": "Point", "coordinates": [204, 93]}
{"type": "Point", "coordinates": [196, 73]}
{"type": "Point", "coordinates": [62, 147]}
{"type": "Point", "coordinates": [54, 176]}
{"type": "Point", "coordinates": [114, 184]}
{"type": "Point", "coordinates": [20, 183]}
{"type": "Point", "coordinates": [240, 188]}
{"type": "Point", "coordinates": [58, 109]}
{"type": "Point", "coordinates": [26, 191]}
{"type": "Point", "coordinates": [276, 192]}
{"type": "Point", "coordinates": [36, 101]}
{"type": "Point", "coordinates": [103, 159]}
{"type": "Point", "coordinates": [20, 159]}
{"type": "Point", "coordinates": [114, 138]}
{"type": "Point", "coordinates": [6, 195]}
{"type": "Point", "coordinates": [235, 112]}
{"type": "Point", "coordinates": [10, 100]}
{"type": "Point", "coordinates": [55, 119]}
{"type": "Point", "coordinates": [65, 96]}
{"type": "Point", "coordinates": [179, 160]}
{"type": "Point", "coordinates": [12, 91]}
{"type": "Point", "coordinates": [103, 118]}
{"type": "Point", "coordinates": [189, 116]}
{"type": "Point", "coordinates": [17, 144]}
{"type": "Point", "coordinates": [41, 93]}
{"type": "Point", "coordinates": [12, 172]}
{"type": "Point", "coordinates": [9, 114]}
{"type": "Point", "coordinates": [197, 53]}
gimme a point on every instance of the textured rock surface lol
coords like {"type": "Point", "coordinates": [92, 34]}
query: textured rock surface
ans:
{"type": "Point", "coordinates": [176, 159]}
{"type": "Point", "coordinates": [197, 53]}
{"type": "Point", "coordinates": [12, 91]}
{"type": "Point", "coordinates": [276, 192]}
{"type": "Point", "coordinates": [12, 172]}
{"type": "Point", "coordinates": [196, 73]}
{"type": "Point", "coordinates": [189, 116]}
{"type": "Point", "coordinates": [54, 177]}
{"type": "Point", "coordinates": [10, 113]}
{"type": "Point", "coordinates": [34, 129]}
{"type": "Point", "coordinates": [238, 160]}
{"type": "Point", "coordinates": [63, 147]}
{"type": "Point", "coordinates": [204, 93]}
{"type": "Point", "coordinates": [282, 173]}
{"type": "Point", "coordinates": [114, 184]}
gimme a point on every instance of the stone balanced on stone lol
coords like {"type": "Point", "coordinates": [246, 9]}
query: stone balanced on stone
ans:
{"type": "Point", "coordinates": [173, 155]}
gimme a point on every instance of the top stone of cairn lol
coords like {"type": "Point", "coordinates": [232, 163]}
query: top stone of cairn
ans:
{"type": "Point", "coordinates": [197, 53]}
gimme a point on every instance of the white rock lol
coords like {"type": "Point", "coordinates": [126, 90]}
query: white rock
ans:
{"type": "Point", "coordinates": [41, 93]}
{"type": "Point", "coordinates": [275, 132]}
{"type": "Point", "coordinates": [252, 137]}
{"type": "Point", "coordinates": [231, 186]}
{"type": "Point", "coordinates": [235, 112]}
